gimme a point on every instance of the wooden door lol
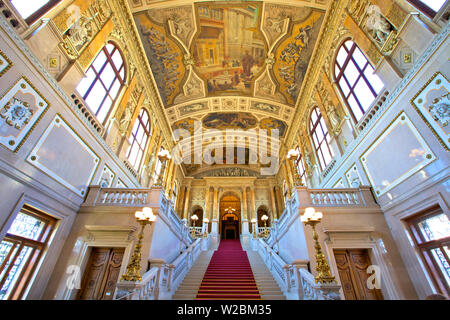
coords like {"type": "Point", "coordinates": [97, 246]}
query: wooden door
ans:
{"type": "Point", "coordinates": [102, 274]}
{"type": "Point", "coordinates": [352, 266]}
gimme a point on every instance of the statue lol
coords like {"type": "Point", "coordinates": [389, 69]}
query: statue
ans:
{"type": "Point", "coordinates": [332, 114]}
{"type": "Point", "coordinates": [380, 27]}
{"type": "Point", "coordinates": [126, 119]}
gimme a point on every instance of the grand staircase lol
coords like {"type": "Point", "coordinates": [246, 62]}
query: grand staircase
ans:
{"type": "Point", "coordinates": [229, 273]}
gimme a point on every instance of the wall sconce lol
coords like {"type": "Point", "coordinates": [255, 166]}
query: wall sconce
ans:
{"type": "Point", "coordinates": [163, 156]}
{"type": "Point", "coordinates": [144, 217]}
{"type": "Point", "coordinates": [293, 156]}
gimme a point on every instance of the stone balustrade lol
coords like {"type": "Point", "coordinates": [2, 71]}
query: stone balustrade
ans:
{"type": "Point", "coordinates": [162, 280]}
{"type": "Point", "coordinates": [361, 197]}
{"type": "Point", "coordinates": [294, 280]}
{"type": "Point", "coordinates": [120, 197]}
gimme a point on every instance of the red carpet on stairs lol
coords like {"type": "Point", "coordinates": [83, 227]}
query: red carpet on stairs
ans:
{"type": "Point", "coordinates": [229, 275]}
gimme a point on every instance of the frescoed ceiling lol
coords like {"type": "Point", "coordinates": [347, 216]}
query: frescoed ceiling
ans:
{"type": "Point", "coordinates": [229, 57]}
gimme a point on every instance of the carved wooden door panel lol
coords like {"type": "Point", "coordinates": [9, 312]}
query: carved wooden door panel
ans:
{"type": "Point", "coordinates": [345, 274]}
{"type": "Point", "coordinates": [101, 275]}
{"type": "Point", "coordinates": [352, 267]}
{"type": "Point", "coordinates": [112, 274]}
{"type": "Point", "coordinates": [360, 262]}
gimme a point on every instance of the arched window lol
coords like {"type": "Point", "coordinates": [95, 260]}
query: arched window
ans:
{"type": "Point", "coordinates": [301, 167]}
{"type": "Point", "coordinates": [321, 138]}
{"type": "Point", "coordinates": [31, 11]}
{"type": "Point", "coordinates": [429, 7]}
{"type": "Point", "coordinates": [104, 80]}
{"type": "Point", "coordinates": [138, 139]}
{"type": "Point", "coordinates": [358, 83]}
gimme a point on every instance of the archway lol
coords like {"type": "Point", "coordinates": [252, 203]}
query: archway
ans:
{"type": "Point", "coordinates": [260, 213]}
{"type": "Point", "coordinates": [230, 217]}
{"type": "Point", "coordinates": [197, 210]}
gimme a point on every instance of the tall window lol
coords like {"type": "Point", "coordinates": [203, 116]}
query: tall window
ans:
{"type": "Point", "coordinates": [33, 10]}
{"type": "Point", "coordinates": [358, 83]}
{"type": "Point", "coordinates": [104, 80]}
{"type": "Point", "coordinates": [21, 250]}
{"type": "Point", "coordinates": [429, 7]}
{"type": "Point", "coordinates": [431, 236]}
{"type": "Point", "coordinates": [321, 138]}
{"type": "Point", "coordinates": [301, 167]}
{"type": "Point", "coordinates": [138, 139]}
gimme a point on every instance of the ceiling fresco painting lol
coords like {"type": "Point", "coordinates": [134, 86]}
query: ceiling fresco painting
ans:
{"type": "Point", "coordinates": [234, 120]}
{"type": "Point", "coordinates": [230, 64]}
{"type": "Point", "coordinates": [222, 121]}
{"type": "Point", "coordinates": [164, 56]}
{"type": "Point", "coordinates": [229, 49]}
{"type": "Point", "coordinates": [294, 55]}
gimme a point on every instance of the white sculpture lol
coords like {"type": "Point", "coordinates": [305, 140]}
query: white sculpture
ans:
{"type": "Point", "coordinates": [380, 27]}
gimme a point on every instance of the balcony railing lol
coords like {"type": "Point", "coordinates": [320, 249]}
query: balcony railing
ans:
{"type": "Point", "coordinates": [361, 197]}
{"type": "Point", "coordinates": [295, 281]}
{"type": "Point", "coordinates": [98, 196]}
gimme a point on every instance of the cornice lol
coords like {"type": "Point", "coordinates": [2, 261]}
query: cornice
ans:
{"type": "Point", "coordinates": [125, 21]}
{"type": "Point", "coordinates": [334, 17]}
{"type": "Point", "coordinates": [178, 3]}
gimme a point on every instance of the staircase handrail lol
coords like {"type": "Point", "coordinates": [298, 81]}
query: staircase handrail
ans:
{"type": "Point", "coordinates": [294, 280]}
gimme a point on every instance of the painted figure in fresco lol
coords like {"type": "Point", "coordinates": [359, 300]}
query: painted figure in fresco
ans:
{"type": "Point", "coordinates": [236, 79]}
{"type": "Point", "coordinates": [303, 35]}
{"type": "Point", "coordinates": [247, 63]}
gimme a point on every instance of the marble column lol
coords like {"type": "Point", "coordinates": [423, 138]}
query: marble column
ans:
{"type": "Point", "coordinates": [245, 226]}
{"type": "Point", "coordinates": [273, 203]}
{"type": "Point", "coordinates": [207, 212]}
{"type": "Point", "coordinates": [187, 195]}
{"type": "Point", "coordinates": [215, 220]}
{"type": "Point", "coordinates": [252, 204]}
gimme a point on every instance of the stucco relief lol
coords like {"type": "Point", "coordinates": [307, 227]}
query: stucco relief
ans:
{"type": "Point", "coordinates": [20, 109]}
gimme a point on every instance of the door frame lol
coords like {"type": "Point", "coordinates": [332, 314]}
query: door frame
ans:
{"type": "Point", "coordinates": [364, 239]}
{"type": "Point", "coordinates": [99, 237]}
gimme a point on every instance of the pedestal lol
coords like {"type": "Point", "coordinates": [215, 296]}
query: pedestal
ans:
{"type": "Point", "coordinates": [245, 229]}
{"type": "Point", "coordinates": [245, 241]}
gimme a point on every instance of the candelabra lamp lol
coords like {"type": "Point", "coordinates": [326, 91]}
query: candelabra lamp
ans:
{"type": "Point", "coordinates": [144, 217]}
{"type": "Point", "coordinates": [255, 234]}
{"type": "Point", "coordinates": [205, 232]}
{"type": "Point", "coordinates": [312, 218]}
{"type": "Point", "coordinates": [163, 156]}
{"type": "Point", "coordinates": [266, 232]}
{"type": "Point", "coordinates": [194, 218]}
{"type": "Point", "coordinates": [293, 156]}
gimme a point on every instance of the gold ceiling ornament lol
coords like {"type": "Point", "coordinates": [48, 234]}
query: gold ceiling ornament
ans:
{"type": "Point", "coordinates": [312, 217]}
{"type": "Point", "coordinates": [144, 217]}
{"type": "Point", "coordinates": [335, 17]}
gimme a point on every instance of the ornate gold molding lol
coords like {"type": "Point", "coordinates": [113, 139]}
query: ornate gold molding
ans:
{"type": "Point", "coordinates": [334, 18]}
{"type": "Point", "coordinates": [125, 22]}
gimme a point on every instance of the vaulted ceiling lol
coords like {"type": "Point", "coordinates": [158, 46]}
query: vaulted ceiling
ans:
{"type": "Point", "coordinates": [229, 64]}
